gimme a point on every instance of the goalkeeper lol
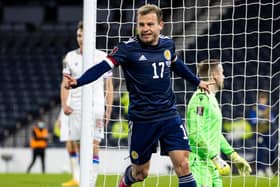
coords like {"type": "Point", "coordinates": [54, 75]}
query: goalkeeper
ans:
{"type": "Point", "coordinates": [204, 126]}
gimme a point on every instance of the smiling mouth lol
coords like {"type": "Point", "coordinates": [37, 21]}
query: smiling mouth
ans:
{"type": "Point", "coordinates": [146, 35]}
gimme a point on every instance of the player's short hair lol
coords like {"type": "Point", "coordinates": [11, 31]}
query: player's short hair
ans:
{"type": "Point", "coordinates": [206, 67]}
{"type": "Point", "coordinates": [80, 25]}
{"type": "Point", "coordinates": [263, 94]}
{"type": "Point", "coordinates": [149, 8]}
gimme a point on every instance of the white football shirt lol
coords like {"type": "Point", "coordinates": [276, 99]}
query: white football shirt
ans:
{"type": "Point", "coordinates": [72, 65]}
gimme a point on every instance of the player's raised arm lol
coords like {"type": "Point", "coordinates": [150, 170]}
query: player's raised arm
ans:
{"type": "Point", "coordinates": [89, 76]}
{"type": "Point", "coordinates": [178, 66]}
{"type": "Point", "coordinates": [204, 85]}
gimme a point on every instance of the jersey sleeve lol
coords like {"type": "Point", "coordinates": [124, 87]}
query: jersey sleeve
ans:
{"type": "Point", "coordinates": [100, 57]}
{"type": "Point", "coordinates": [173, 52]}
{"type": "Point", "coordinates": [118, 56]}
{"type": "Point", "coordinates": [181, 69]}
{"type": "Point", "coordinates": [66, 68]}
{"type": "Point", "coordinates": [225, 147]}
{"type": "Point", "coordinates": [108, 74]}
{"type": "Point", "coordinates": [197, 120]}
{"type": "Point", "coordinates": [93, 73]}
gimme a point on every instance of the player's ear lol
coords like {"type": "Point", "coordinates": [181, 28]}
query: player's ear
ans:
{"type": "Point", "coordinates": [213, 76]}
{"type": "Point", "coordinates": [161, 24]}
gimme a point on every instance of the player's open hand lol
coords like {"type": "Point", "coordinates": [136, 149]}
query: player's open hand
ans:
{"type": "Point", "coordinates": [204, 85]}
{"type": "Point", "coordinates": [242, 165]}
{"type": "Point", "coordinates": [70, 81]}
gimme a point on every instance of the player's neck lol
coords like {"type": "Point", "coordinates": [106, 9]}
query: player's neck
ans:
{"type": "Point", "coordinates": [151, 45]}
{"type": "Point", "coordinates": [213, 89]}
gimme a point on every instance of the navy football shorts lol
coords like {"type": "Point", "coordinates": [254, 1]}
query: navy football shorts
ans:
{"type": "Point", "coordinates": [145, 136]}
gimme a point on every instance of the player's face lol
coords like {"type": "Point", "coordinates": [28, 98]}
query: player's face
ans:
{"type": "Point", "coordinates": [219, 77]}
{"type": "Point", "coordinates": [149, 28]}
{"type": "Point", "coordinates": [80, 38]}
{"type": "Point", "coordinates": [263, 100]}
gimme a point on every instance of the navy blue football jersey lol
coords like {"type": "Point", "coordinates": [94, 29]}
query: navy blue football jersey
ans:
{"type": "Point", "coordinates": [147, 73]}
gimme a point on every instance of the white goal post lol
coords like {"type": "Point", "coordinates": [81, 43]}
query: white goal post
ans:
{"type": "Point", "coordinates": [87, 128]}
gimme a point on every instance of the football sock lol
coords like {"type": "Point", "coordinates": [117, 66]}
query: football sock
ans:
{"type": "Point", "coordinates": [95, 159]}
{"type": "Point", "coordinates": [128, 178]}
{"type": "Point", "coordinates": [187, 181]}
{"type": "Point", "coordinates": [74, 165]}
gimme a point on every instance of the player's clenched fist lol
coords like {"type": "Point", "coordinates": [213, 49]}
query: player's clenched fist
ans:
{"type": "Point", "coordinates": [70, 81]}
{"type": "Point", "coordinates": [221, 165]}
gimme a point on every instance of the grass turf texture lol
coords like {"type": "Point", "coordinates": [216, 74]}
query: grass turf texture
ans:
{"type": "Point", "coordinates": [55, 180]}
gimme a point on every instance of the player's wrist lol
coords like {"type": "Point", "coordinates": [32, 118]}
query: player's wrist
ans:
{"type": "Point", "coordinates": [64, 105]}
{"type": "Point", "coordinates": [213, 157]}
{"type": "Point", "coordinates": [76, 83]}
{"type": "Point", "coordinates": [218, 161]}
{"type": "Point", "coordinates": [221, 165]}
{"type": "Point", "coordinates": [233, 156]}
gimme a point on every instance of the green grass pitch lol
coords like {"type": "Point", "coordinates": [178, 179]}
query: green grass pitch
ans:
{"type": "Point", "coordinates": [55, 180]}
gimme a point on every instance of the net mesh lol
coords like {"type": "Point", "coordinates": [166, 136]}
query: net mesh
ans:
{"type": "Point", "coordinates": [244, 35]}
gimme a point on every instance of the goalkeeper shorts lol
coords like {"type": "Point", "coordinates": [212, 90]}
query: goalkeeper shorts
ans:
{"type": "Point", "coordinates": [204, 172]}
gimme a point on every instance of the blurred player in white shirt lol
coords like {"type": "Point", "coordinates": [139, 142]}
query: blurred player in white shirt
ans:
{"type": "Point", "coordinates": [71, 108]}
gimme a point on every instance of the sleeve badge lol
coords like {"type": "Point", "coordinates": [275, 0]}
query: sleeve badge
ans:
{"type": "Point", "coordinates": [167, 55]}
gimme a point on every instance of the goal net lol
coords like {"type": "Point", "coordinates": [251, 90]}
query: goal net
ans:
{"type": "Point", "coordinates": [245, 36]}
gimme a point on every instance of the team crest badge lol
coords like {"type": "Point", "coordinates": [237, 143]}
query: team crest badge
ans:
{"type": "Point", "coordinates": [134, 155]}
{"type": "Point", "coordinates": [200, 110]}
{"type": "Point", "coordinates": [167, 55]}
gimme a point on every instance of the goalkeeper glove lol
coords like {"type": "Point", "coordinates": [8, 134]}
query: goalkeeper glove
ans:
{"type": "Point", "coordinates": [221, 165]}
{"type": "Point", "coordinates": [242, 165]}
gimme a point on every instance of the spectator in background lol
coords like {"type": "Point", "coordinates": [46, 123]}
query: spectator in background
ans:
{"type": "Point", "coordinates": [38, 143]}
{"type": "Point", "coordinates": [56, 132]}
{"type": "Point", "coordinates": [261, 119]}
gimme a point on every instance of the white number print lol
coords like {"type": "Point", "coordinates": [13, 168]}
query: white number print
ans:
{"type": "Point", "coordinates": [184, 131]}
{"type": "Point", "coordinates": [161, 65]}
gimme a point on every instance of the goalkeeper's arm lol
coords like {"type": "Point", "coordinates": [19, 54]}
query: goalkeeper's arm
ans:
{"type": "Point", "coordinates": [242, 165]}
